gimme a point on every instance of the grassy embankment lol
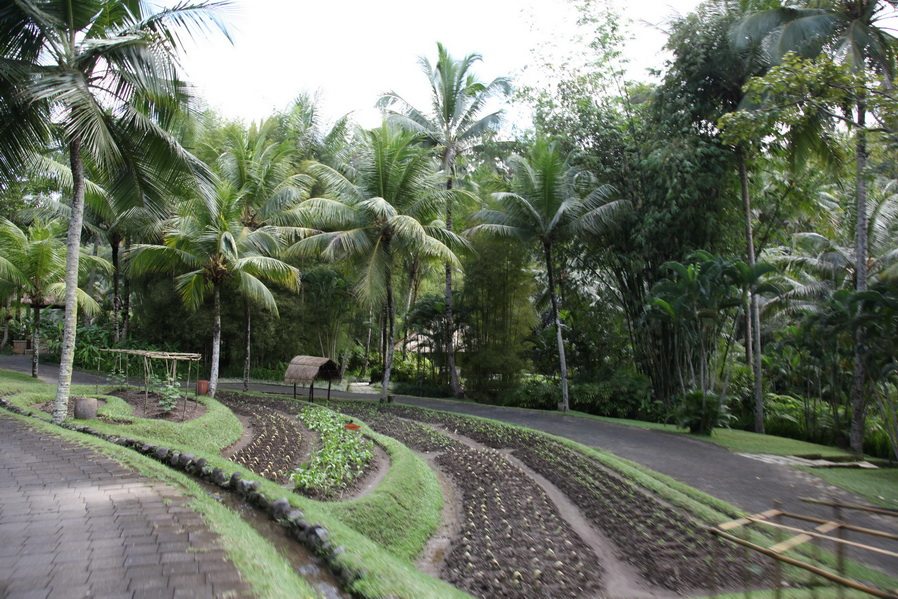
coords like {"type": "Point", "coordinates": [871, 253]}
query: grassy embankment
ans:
{"type": "Point", "coordinates": [381, 532]}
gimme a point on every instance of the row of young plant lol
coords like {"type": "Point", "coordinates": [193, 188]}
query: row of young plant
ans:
{"type": "Point", "coordinates": [341, 459]}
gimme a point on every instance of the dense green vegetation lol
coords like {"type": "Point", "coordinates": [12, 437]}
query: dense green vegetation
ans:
{"type": "Point", "coordinates": [715, 248]}
{"type": "Point", "coordinates": [339, 461]}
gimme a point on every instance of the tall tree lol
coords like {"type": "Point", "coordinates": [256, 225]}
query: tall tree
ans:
{"type": "Point", "coordinates": [100, 75]}
{"type": "Point", "coordinates": [455, 124]}
{"type": "Point", "coordinates": [853, 31]}
{"type": "Point", "coordinates": [212, 251]}
{"type": "Point", "coordinates": [34, 260]}
{"type": "Point", "coordinates": [547, 206]}
{"type": "Point", "coordinates": [386, 215]}
{"type": "Point", "coordinates": [259, 165]}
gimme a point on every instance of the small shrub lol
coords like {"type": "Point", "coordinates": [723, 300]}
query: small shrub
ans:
{"type": "Point", "coordinates": [624, 394]}
{"type": "Point", "coordinates": [537, 393]}
{"type": "Point", "coordinates": [117, 378]}
{"type": "Point", "coordinates": [701, 412]}
{"type": "Point", "coordinates": [168, 390]}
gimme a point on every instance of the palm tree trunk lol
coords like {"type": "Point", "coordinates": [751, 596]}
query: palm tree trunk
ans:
{"type": "Point", "coordinates": [388, 353]}
{"type": "Point", "coordinates": [35, 339]}
{"type": "Point", "coordinates": [754, 337]}
{"type": "Point", "coordinates": [73, 244]}
{"type": "Point", "coordinates": [454, 385]}
{"type": "Point", "coordinates": [216, 341]}
{"type": "Point", "coordinates": [126, 302]}
{"type": "Point", "coordinates": [413, 275]}
{"type": "Point", "coordinates": [858, 403]}
{"type": "Point", "coordinates": [247, 319]}
{"type": "Point", "coordinates": [564, 406]}
{"type": "Point", "coordinates": [7, 316]}
{"type": "Point", "coordinates": [383, 339]}
{"type": "Point", "coordinates": [116, 296]}
{"type": "Point", "coordinates": [368, 341]}
{"type": "Point", "coordinates": [92, 276]}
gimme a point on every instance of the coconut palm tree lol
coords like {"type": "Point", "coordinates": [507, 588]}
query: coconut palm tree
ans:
{"type": "Point", "coordinates": [386, 215]}
{"type": "Point", "coordinates": [260, 166]}
{"type": "Point", "coordinates": [212, 251]}
{"type": "Point", "coordinates": [34, 260]}
{"type": "Point", "coordinates": [455, 124]}
{"type": "Point", "coordinates": [855, 32]}
{"type": "Point", "coordinates": [100, 76]}
{"type": "Point", "coordinates": [545, 206]}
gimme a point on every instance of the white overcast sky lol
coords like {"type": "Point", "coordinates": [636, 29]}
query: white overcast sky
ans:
{"type": "Point", "coordinates": [351, 51]}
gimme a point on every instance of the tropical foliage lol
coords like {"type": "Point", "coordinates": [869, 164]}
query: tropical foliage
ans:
{"type": "Point", "coordinates": [714, 248]}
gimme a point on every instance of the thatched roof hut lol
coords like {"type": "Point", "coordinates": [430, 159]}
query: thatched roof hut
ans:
{"type": "Point", "coordinates": [306, 369]}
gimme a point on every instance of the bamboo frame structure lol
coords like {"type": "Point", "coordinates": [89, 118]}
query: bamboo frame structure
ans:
{"type": "Point", "coordinates": [773, 519]}
{"type": "Point", "coordinates": [171, 360]}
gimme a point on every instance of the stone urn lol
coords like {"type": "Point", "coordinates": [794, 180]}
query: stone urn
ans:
{"type": "Point", "coordinates": [86, 408]}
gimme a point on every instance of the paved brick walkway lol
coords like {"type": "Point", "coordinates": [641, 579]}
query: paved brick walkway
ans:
{"type": "Point", "coordinates": [74, 523]}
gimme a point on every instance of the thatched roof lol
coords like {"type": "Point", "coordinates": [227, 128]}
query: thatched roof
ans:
{"type": "Point", "coordinates": [305, 369]}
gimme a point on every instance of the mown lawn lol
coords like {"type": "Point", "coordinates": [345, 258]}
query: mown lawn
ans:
{"type": "Point", "coordinates": [879, 487]}
{"type": "Point", "coordinates": [738, 441]}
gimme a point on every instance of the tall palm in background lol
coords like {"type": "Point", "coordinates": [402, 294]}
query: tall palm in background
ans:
{"type": "Point", "coordinates": [386, 215]}
{"type": "Point", "coordinates": [212, 251]}
{"type": "Point", "coordinates": [34, 260]}
{"type": "Point", "coordinates": [453, 126]}
{"type": "Point", "coordinates": [259, 165]}
{"type": "Point", "coordinates": [99, 76]}
{"type": "Point", "coordinates": [854, 32]}
{"type": "Point", "coordinates": [546, 207]}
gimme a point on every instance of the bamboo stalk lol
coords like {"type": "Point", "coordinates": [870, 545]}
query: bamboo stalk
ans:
{"type": "Point", "coordinates": [882, 511]}
{"type": "Point", "coordinates": [848, 582]}
{"type": "Point", "coordinates": [841, 542]}
{"type": "Point", "coordinates": [853, 528]}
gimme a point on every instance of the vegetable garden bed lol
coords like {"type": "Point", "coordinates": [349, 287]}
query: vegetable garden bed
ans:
{"type": "Point", "coordinates": [278, 442]}
{"type": "Point", "coordinates": [151, 406]}
{"type": "Point", "coordinates": [663, 544]}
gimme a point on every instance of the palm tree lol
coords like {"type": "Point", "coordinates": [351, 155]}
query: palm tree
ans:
{"type": "Point", "coordinates": [211, 251]}
{"type": "Point", "coordinates": [544, 206]}
{"type": "Point", "coordinates": [454, 126]}
{"type": "Point", "coordinates": [855, 32]}
{"type": "Point", "coordinates": [101, 76]}
{"type": "Point", "coordinates": [385, 216]}
{"type": "Point", "coordinates": [259, 165]}
{"type": "Point", "coordinates": [34, 260]}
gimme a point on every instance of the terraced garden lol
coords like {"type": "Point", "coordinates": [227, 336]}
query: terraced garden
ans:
{"type": "Point", "coordinates": [397, 501]}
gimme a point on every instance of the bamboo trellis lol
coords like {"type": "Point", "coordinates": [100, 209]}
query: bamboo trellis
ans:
{"type": "Point", "coordinates": [170, 360]}
{"type": "Point", "coordinates": [773, 519]}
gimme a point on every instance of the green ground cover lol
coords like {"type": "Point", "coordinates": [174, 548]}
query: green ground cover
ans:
{"type": "Point", "coordinates": [879, 487]}
{"type": "Point", "coordinates": [735, 440]}
{"type": "Point", "coordinates": [404, 510]}
{"type": "Point", "coordinates": [410, 495]}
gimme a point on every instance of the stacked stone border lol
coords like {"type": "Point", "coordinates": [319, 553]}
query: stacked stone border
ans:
{"type": "Point", "coordinates": [313, 536]}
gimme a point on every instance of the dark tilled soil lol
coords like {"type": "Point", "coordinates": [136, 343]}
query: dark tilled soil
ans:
{"type": "Point", "coordinates": [513, 543]}
{"type": "Point", "coordinates": [276, 448]}
{"type": "Point", "coordinates": [147, 406]}
{"type": "Point", "coordinates": [665, 545]}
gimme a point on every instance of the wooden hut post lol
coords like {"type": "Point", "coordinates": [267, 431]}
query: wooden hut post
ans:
{"type": "Point", "coordinates": [294, 390]}
{"type": "Point", "coordinates": [312, 391]}
{"type": "Point", "coordinates": [328, 389]}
